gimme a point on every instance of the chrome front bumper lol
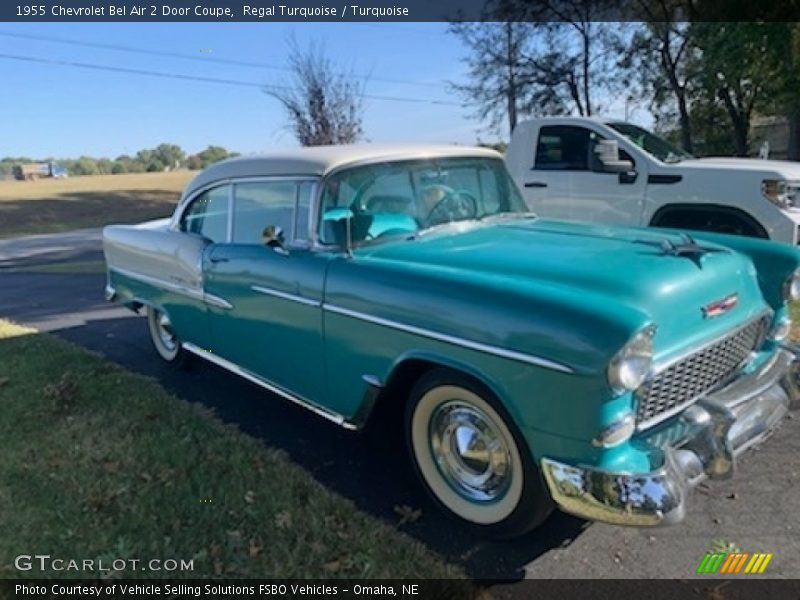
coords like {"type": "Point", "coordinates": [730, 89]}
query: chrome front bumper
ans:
{"type": "Point", "coordinates": [723, 425]}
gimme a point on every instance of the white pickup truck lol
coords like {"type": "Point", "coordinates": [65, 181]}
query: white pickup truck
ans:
{"type": "Point", "coordinates": [605, 171]}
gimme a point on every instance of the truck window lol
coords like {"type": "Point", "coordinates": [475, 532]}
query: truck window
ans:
{"type": "Point", "coordinates": [562, 148]}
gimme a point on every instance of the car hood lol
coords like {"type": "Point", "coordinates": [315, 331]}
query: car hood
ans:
{"type": "Point", "coordinates": [785, 168]}
{"type": "Point", "coordinates": [591, 264]}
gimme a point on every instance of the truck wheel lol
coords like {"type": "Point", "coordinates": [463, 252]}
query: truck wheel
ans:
{"type": "Point", "coordinates": [164, 339]}
{"type": "Point", "coordinates": [471, 458]}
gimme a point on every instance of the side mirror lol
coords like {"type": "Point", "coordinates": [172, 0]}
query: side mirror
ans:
{"type": "Point", "coordinates": [607, 158]}
{"type": "Point", "coordinates": [272, 236]}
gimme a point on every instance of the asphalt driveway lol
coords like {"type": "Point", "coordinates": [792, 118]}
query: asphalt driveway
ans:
{"type": "Point", "coordinates": [55, 283]}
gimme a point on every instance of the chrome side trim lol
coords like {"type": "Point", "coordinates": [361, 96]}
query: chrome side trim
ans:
{"type": "Point", "coordinates": [286, 296]}
{"type": "Point", "coordinates": [216, 301]}
{"type": "Point", "coordinates": [193, 293]}
{"type": "Point", "coordinates": [236, 369]}
{"type": "Point", "coordinates": [372, 380]}
{"type": "Point", "coordinates": [449, 339]}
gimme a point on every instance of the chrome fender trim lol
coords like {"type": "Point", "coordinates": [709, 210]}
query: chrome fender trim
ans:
{"type": "Point", "coordinates": [450, 339]}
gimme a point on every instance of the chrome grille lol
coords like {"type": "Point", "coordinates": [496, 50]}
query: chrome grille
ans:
{"type": "Point", "coordinates": [682, 382]}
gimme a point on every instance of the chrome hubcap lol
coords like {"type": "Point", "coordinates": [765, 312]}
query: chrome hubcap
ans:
{"type": "Point", "coordinates": [166, 335]}
{"type": "Point", "coordinates": [470, 451]}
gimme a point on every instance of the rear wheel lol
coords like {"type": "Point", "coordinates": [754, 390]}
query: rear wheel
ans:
{"type": "Point", "coordinates": [164, 339]}
{"type": "Point", "coordinates": [471, 458]}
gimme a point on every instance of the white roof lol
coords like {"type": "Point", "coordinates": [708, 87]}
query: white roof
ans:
{"type": "Point", "coordinates": [320, 160]}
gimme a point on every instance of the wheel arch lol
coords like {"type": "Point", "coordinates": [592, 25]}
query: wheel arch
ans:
{"type": "Point", "coordinates": [411, 366]}
{"type": "Point", "coordinates": [696, 209]}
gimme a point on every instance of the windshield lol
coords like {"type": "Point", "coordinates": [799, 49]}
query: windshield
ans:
{"type": "Point", "coordinates": [658, 147]}
{"type": "Point", "coordinates": [382, 200]}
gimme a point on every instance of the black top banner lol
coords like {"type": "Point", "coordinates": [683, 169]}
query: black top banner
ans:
{"type": "Point", "coordinates": [144, 11]}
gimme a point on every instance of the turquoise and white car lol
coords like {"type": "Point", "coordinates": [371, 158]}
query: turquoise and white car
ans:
{"type": "Point", "coordinates": [540, 363]}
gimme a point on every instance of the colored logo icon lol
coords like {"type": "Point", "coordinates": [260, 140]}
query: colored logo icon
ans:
{"type": "Point", "coordinates": [734, 563]}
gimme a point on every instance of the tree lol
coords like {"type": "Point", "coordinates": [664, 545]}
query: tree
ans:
{"type": "Point", "coordinates": [548, 57]}
{"type": "Point", "coordinates": [664, 59]}
{"type": "Point", "coordinates": [742, 69]}
{"type": "Point", "coordinates": [207, 157]}
{"type": "Point", "coordinates": [324, 106]}
{"type": "Point", "coordinates": [85, 165]}
{"type": "Point", "coordinates": [579, 49]}
{"type": "Point", "coordinates": [497, 63]}
{"type": "Point", "coordinates": [170, 155]}
{"type": "Point", "coordinates": [127, 164]}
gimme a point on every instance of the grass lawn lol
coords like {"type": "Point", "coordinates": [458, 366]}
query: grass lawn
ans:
{"type": "Point", "coordinates": [97, 462]}
{"type": "Point", "coordinates": [51, 205]}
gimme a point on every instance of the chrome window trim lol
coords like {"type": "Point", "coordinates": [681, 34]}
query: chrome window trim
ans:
{"type": "Point", "coordinates": [316, 244]}
{"type": "Point", "coordinates": [268, 179]}
{"type": "Point", "coordinates": [449, 339]}
{"type": "Point", "coordinates": [244, 373]}
{"type": "Point", "coordinates": [184, 204]}
{"type": "Point", "coordinates": [286, 296]}
{"type": "Point", "coordinates": [231, 197]}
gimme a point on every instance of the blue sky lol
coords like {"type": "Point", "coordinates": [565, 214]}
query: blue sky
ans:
{"type": "Point", "coordinates": [65, 111]}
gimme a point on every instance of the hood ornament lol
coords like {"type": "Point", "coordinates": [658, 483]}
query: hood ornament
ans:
{"type": "Point", "coordinates": [687, 247]}
{"type": "Point", "coordinates": [720, 307]}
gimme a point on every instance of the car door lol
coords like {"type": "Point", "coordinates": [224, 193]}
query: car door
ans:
{"type": "Point", "coordinates": [274, 286]}
{"type": "Point", "coordinates": [573, 186]}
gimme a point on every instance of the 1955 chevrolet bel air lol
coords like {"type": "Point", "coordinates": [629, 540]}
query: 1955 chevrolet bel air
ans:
{"type": "Point", "coordinates": [540, 363]}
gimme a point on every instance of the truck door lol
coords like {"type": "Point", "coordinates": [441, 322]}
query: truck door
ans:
{"type": "Point", "coordinates": [572, 184]}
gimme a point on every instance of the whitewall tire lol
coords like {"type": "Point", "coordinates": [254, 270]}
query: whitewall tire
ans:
{"type": "Point", "coordinates": [471, 458]}
{"type": "Point", "coordinates": [163, 336]}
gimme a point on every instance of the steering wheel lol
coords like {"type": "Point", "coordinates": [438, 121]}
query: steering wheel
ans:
{"type": "Point", "coordinates": [455, 205]}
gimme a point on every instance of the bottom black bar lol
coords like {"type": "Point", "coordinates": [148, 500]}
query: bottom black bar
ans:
{"type": "Point", "coordinates": [710, 588]}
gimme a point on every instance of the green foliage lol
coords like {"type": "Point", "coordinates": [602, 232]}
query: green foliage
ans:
{"type": "Point", "coordinates": [99, 462]}
{"type": "Point", "coordinates": [164, 157]}
{"type": "Point", "coordinates": [207, 157]}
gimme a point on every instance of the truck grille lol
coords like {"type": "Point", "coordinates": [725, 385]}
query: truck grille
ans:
{"type": "Point", "coordinates": [684, 381]}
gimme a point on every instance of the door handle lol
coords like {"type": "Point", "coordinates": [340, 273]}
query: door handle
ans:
{"type": "Point", "coordinates": [218, 259]}
{"type": "Point", "coordinates": [535, 184]}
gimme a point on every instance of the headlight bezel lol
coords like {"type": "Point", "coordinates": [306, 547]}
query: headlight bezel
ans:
{"type": "Point", "coordinates": [633, 363]}
{"type": "Point", "coordinates": [791, 287]}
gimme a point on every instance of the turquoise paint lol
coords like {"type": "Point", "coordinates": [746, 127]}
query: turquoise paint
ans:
{"type": "Point", "coordinates": [565, 292]}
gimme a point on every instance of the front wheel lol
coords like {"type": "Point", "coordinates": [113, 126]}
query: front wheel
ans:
{"type": "Point", "coordinates": [471, 458]}
{"type": "Point", "coordinates": [164, 339]}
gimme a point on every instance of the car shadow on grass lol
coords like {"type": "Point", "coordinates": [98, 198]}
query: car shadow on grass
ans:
{"type": "Point", "coordinates": [370, 468]}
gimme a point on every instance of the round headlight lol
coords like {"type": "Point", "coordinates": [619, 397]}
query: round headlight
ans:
{"type": "Point", "coordinates": [630, 366]}
{"type": "Point", "coordinates": [791, 288]}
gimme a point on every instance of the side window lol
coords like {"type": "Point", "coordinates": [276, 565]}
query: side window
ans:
{"type": "Point", "coordinates": [260, 204]}
{"type": "Point", "coordinates": [562, 148]}
{"type": "Point", "coordinates": [207, 215]}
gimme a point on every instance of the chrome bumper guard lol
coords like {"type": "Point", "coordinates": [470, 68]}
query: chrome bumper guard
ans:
{"type": "Point", "coordinates": [724, 424]}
